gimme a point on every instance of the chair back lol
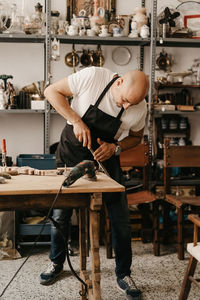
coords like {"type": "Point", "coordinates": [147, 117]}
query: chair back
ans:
{"type": "Point", "coordinates": [178, 156]}
{"type": "Point", "coordinates": [181, 156]}
{"type": "Point", "coordinates": [137, 156]}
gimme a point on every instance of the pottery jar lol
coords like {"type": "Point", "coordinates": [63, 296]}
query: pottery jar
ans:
{"type": "Point", "coordinates": [123, 21]}
{"type": "Point", "coordinates": [140, 17]}
{"type": "Point", "coordinates": [144, 31]}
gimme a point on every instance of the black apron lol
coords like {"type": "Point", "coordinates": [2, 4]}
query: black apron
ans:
{"type": "Point", "coordinates": [102, 125]}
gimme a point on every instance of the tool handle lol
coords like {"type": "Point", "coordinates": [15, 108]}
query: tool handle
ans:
{"type": "Point", "coordinates": [3, 146]}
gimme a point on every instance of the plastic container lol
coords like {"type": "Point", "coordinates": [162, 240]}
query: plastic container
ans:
{"type": "Point", "coordinates": [37, 161]}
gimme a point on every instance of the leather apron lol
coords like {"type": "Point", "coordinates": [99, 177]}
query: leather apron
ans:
{"type": "Point", "coordinates": [102, 125]}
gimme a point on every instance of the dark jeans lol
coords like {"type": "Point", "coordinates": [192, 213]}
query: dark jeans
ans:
{"type": "Point", "coordinates": [121, 238]}
{"type": "Point", "coordinates": [120, 225]}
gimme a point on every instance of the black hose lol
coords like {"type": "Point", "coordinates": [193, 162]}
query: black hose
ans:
{"type": "Point", "coordinates": [56, 224]}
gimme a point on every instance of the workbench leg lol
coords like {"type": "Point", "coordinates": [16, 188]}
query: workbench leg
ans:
{"type": "Point", "coordinates": [82, 249]}
{"type": "Point", "coordinates": [95, 207]}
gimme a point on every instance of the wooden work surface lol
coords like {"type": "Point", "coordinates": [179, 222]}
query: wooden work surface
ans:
{"type": "Point", "coordinates": [32, 184]}
{"type": "Point", "coordinates": [24, 192]}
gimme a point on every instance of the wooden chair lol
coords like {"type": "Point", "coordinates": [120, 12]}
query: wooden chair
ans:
{"type": "Point", "coordinates": [194, 250]}
{"type": "Point", "coordinates": [138, 157]}
{"type": "Point", "coordinates": [178, 156]}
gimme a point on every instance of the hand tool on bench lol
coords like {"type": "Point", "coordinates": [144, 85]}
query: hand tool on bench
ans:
{"type": "Point", "coordinates": [101, 166]}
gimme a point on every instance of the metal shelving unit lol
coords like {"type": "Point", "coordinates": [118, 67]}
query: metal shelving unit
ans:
{"type": "Point", "coordinates": [151, 42]}
{"type": "Point", "coordinates": [166, 42]}
{"type": "Point", "coordinates": [46, 40]}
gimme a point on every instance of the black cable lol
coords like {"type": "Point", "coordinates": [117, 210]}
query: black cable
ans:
{"type": "Point", "coordinates": [35, 242]}
{"type": "Point", "coordinates": [56, 224]}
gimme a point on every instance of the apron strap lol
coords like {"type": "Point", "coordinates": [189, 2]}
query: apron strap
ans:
{"type": "Point", "coordinates": [105, 91]}
{"type": "Point", "coordinates": [120, 114]}
{"type": "Point", "coordinates": [103, 94]}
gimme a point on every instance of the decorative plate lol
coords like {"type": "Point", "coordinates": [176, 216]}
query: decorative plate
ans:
{"type": "Point", "coordinates": [121, 56]}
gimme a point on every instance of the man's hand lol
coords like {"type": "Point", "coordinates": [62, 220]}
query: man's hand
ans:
{"type": "Point", "coordinates": [105, 151]}
{"type": "Point", "coordinates": [82, 133]}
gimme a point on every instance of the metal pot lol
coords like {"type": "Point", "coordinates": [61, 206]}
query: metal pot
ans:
{"type": "Point", "coordinates": [97, 57]}
{"type": "Point", "coordinates": [163, 61]}
{"type": "Point", "coordinates": [72, 59]}
{"type": "Point", "coordinates": [86, 58]}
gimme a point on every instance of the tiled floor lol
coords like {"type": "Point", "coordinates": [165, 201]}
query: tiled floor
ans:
{"type": "Point", "coordinates": [159, 278]}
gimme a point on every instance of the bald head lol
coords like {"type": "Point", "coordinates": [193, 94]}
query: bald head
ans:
{"type": "Point", "coordinates": [137, 83]}
{"type": "Point", "coordinates": [130, 89]}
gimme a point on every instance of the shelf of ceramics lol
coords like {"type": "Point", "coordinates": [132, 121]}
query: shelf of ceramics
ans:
{"type": "Point", "coordinates": [103, 41]}
{"type": "Point", "coordinates": [21, 38]}
{"type": "Point", "coordinates": [181, 42]}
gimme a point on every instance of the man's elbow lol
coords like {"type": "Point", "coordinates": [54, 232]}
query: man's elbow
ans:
{"type": "Point", "coordinates": [47, 91]}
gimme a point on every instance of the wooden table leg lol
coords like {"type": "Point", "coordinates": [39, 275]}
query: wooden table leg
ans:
{"type": "Point", "coordinates": [82, 251]}
{"type": "Point", "coordinates": [95, 207]}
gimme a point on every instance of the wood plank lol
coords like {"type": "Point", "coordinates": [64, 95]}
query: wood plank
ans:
{"type": "Point", "coordinates": [26, 202]}
{"type": "Point", "coordinates": [182, 156]}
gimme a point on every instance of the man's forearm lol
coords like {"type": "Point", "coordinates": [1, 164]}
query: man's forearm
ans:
{"type": "Point", "coordinates": [129, 142]}
{"type": "Point", "coordinates": [132, 140]}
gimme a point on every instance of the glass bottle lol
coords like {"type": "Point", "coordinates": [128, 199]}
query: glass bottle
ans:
{"type": "Point", "coordinates": [38, 19]}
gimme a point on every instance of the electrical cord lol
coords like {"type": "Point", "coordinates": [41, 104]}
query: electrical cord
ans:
{"type": "Point", "coordinates": [36, 240]}
{"type": "Point", "coordinates": [56, 224]}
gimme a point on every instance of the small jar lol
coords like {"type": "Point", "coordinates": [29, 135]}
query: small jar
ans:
{"type": "Point", "coordinates": [173, 142]}
{"type": "Point", "coordinates": [164, 123]}
{"type": "Point", "coordinates": [181, 142]}
{"type": "Point", "coordinates": [183, 123]}
{"type": "Point", "coordinates": [173, 124]}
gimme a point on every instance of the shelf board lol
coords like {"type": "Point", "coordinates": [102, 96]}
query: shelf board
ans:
{"type": "Point", "coordinates": [175, 112]}
{"type": "Point", "coordinates": [176, 181]}
{"type": "Point", "coordinates": [66, 39]}
{"type": "Point", "coordinates": [21, 111]}
{"type": "Point", "coordinates": [178, 42]}
{"type": "Point", "coordinates": [21, 38]}
{"type": "Point", "coordinates": [175, 85]}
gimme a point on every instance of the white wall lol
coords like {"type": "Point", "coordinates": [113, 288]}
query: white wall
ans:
{"type": "Point", "coordinates": [24, 132]}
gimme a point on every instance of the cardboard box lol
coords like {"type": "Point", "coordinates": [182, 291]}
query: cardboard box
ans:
{"type": "Point", "coordinates": [37, 104]}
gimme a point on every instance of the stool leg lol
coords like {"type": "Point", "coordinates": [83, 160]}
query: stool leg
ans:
{"type": "Point", "coordinates": [156, 238]}
{"type": "Point", "coordinates": [185, 289]}
{"type": "Point", "coordinates": [180, 226]}
{"type": "Point", "coordinates": [166, 222]}
{"type": "Point", "coordinates": [108, 234]}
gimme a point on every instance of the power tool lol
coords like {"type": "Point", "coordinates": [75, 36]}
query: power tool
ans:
{"type": "Point", "coordinates": [81, 169]}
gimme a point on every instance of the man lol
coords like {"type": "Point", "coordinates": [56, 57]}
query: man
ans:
{"type": "Point", "coordinates": [107, 114]}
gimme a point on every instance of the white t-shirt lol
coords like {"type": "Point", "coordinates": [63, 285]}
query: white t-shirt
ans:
{"type": "Point", "coordinates": [87, 85]}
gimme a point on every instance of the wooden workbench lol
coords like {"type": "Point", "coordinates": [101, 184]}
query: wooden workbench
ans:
{"type": "Point", "coordinates": [24, 192]}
